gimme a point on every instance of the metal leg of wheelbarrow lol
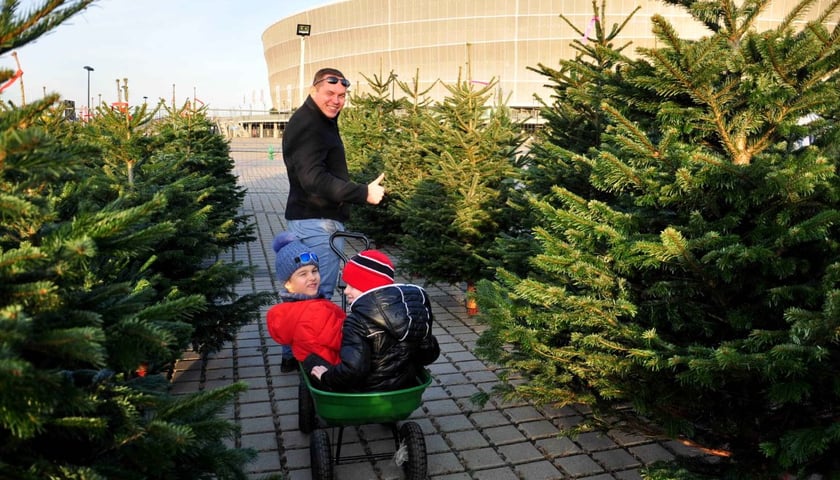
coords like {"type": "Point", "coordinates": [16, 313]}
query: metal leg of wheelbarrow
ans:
{"type": "Point", "coordinates": [338, 444]}
{"type": "Point", "coordinates": [376, 456]}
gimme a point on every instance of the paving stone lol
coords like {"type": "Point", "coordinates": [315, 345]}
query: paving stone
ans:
{"type": "Point", "coordinates": [438, 408]}
{"type": "Point", "coordinates": [481, 376]}
{"type": "Point", "coordinates": [616, 459]}
{"type": "Point", "coordinates": [265, 462]}
{"type": "Point", "coordinates": [295, 439]}
{"type": "Point", "coordinates": [248, 410]}
{"type": "Point", "coordinates": [481, 458]}
{"type": "Point", "coordinates": [453, 476]}
{"type": "Point", "coordinates": [466, 439]}
{"type": "Point", "coordinates": [626, 438]}
{"type": "Point", "coordinates": [503, 473]}
{"type": "Point", "coordinates": [523, 414]}
{"type": "Point", "coordinates": [503, 434]}
{"type": "Point", "coordinates": [558, 446]}
{"type": "Point", "coordinates": [357, 470]}
{"type": "Point", "coordinates": [434, 393]}
{"type": "Point", "coordinates": [436, 444]}
{"type": "Point", "coordinates": [471, 366]}
{"type": "Point", "coordinates": [256, 425]}
{"type": "Point", "coordinates": [462, 356]}
{"type": "Point", "coordinates": [440, 463]}
{"type": "Point", "coordinates": [452, 378]}
{"type": "Point", "coordinates": [651, 453]}
{"type": "Point", "coordinates": [538, 429]}
{"type": "Point", "coordinates": [299, 474]}
{"type": "Point", "coordinates": [594, 441]}
{"type": "Point", "coordinates": [454, 423]}
{"type": "Point", "coordinates": [568, 423]}
{"type": "Point", "coordinates": [464, 391]}
{"type": "Point", "coordinates": [253, 395]}
{"type": "Point", "coordinates": [628, 475]}
{"type": "Point", "coordinates": [520, 452]}
{"type": "Point", "coordinates": [578, 465]}
{"type": "Point", "coordinates": [261, 441]}
{"type": "Point", "coordinates": [491, 418]}
{"type": "Point", "coordinates": [442, 368]}
{"type": "Point", "coordinates": [541, 470]}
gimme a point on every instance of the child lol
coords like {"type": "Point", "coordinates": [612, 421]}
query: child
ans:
{"type": "Point", "coordinates": [305, 320]}
{"type": "Point", "coordinates": [387, 336]}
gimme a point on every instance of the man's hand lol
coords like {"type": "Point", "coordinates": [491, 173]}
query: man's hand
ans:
{"type": "Point", "coordinates": [375, 190]}
{"type": "Point", "coordinates": [318, 371]}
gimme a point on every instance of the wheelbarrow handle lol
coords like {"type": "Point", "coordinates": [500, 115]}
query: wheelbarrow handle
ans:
{"type": "Point", "coordinates": [356, 235]}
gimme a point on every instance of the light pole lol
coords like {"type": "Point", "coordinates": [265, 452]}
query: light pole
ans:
{"type": "Point", "coordinates": [89, 69]}
{"type": "Point", "coordinates": [303, 31]}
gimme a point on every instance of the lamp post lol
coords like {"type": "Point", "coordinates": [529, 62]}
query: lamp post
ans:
{"type": "Point", "coordinates": [303, 31]}
{"type": "Point", "coordinates": [89, 69]}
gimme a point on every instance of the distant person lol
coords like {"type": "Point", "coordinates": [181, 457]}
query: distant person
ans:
{"type": "Point", "coordinates": [387, 337]}
{"type": "Point", "coordinates": [305, 322]}
{"type": "Point", "coordinates": [320, 190]}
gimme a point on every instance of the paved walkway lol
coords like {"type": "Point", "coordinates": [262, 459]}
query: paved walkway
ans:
{"type": "Point", "coordinates": [499, 441]}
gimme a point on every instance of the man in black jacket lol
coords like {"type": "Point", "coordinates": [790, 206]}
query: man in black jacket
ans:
{"type": "Point", "coordinates": [320, 190]}
{"type": "Point", "coordinates": [387, 337]}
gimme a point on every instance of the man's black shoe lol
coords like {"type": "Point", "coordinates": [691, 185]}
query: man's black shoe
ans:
{"type": "Point", "coordinates": [288, 365]}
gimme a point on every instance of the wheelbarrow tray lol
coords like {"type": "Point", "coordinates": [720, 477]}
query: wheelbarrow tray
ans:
{"type": "Point", "coordinates": [342, 409]}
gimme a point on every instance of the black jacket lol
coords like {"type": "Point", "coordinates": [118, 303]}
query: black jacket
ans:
{"type": "Point", "coordinates": [387, 340]}
{"type": "Point", "coordinates": [319, 183]}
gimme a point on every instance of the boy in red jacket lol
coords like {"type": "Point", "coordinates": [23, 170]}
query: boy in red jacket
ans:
{"type": "Point", "coordinates": [305, 320]}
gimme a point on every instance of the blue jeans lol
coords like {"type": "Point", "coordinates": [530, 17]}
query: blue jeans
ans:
{"type": "Point", "coordinates": [315, 234]}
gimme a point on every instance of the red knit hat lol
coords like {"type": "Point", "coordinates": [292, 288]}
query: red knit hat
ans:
{"type": "Point", "coordinates": [367, 270]}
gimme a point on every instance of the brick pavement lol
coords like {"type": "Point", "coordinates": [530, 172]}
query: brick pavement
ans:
{"type": "Point", "coordinates": [499, 441]}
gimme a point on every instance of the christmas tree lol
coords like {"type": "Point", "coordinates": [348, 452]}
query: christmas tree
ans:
{"type": "Point", "coordinates": [692, 276]}
{"type": "Point", "coordinates": [88, 315]}
{"type": "Point", "coordinates": [457, 208]}
{"type": "Point", "coordinates": [383, 134]}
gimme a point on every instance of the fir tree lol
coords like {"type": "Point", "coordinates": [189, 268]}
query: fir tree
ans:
{"type": "Point", "coordinates": [383, 133]}
{"type": "Point", "coordinates": [457, 208]}
{"type": "Point", "coordinates": [572, 125]}
{"type": "Point", "coordinates": [695, 278]}
{"type": "Point", "coordinates": [83, 303]}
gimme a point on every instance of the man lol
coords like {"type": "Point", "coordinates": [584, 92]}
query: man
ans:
{"type": "Point", "coordinates": [320, 190]}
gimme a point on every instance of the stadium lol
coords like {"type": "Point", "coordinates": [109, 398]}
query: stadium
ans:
{"type": "Point", "coordinates": [440, 42]}
{"type": "Point", "coordinates": [472, 40]}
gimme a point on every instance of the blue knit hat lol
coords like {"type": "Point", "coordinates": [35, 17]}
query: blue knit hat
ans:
{"type": "Point", "coordinates": [291, 255]}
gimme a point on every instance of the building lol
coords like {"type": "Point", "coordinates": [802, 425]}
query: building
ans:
{"type": "Point", "coordinates": [472, 40]}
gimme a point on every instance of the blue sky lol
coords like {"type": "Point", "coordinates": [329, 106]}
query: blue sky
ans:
{"type": "Point", "coordinates": [210, 48]}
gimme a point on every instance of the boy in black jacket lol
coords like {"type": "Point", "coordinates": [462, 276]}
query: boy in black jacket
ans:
{"type": "Point", "coordinates": [387, 336]}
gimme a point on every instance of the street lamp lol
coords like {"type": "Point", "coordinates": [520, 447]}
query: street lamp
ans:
{"type": "Point", "coordinates": [303, 31]}
{"type": "Point", "coordinates": [89, 69]}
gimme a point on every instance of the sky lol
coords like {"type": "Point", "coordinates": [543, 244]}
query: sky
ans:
{"type": "Point", "coordinates": [210, 49]}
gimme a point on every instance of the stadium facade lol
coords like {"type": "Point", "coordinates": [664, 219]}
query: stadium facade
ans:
{"type": "Point", "coordinates": [446, 40]}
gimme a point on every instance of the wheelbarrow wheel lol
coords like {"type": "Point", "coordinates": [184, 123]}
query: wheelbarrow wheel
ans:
{"type": "Point", "coordinates": [411, 435]}
{"type": "Point", "coordinates": [306, 409]}
{"type": "Point", "coordinates": [320, 455]}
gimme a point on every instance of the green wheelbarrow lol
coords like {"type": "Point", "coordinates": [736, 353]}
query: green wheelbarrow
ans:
{"type": "Point", "coordinates": [339, 410]}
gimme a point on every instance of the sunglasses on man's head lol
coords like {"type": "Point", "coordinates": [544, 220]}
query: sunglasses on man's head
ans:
{"type": "Point", "coordinates": [306, 257]}
{"type": "Point", "coordinates": [332, 80]}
